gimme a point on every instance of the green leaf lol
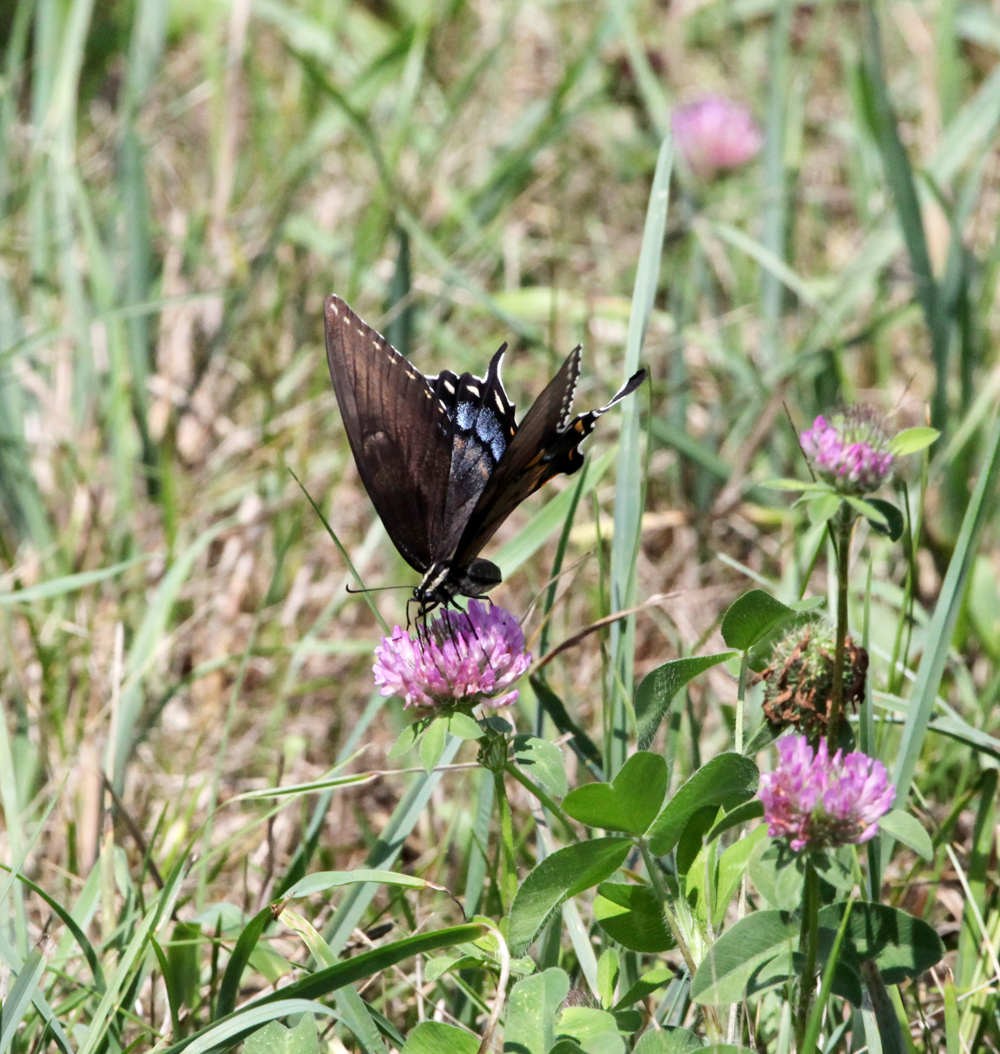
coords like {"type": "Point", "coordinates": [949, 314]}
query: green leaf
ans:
{"type": "Point", "coordinates": [742, 950]}
{"type": "Point", "coordinates": [19, 996]}
{"type": "Point", "coordinates": [608, 968]}
{"type": "Point", "coordinates": [727, 780]}
{"type": "Point", "coordinates": [542, 761]}
{"type": "Point", "coordinates": [595, 1031]}
{"type": "Point", "coordinates": [730, 869]}
{"type": "Point", "coordinates": [668, 1041]}
{"type": "Point", "coordinates": [531, 1012]}
{"type": "Point", "coordinates": [462, 726]}
{"type": "Point", "coordinates": [867, 509]}
{"type": "Point", "coordinates": [433, 743]}
{"type": "Point", "coordinates": [751, 810]}
{"type": "Point", "coordinates": [183, 963]}
{"type": "Point", "coordinates": [823, 508]}
{"type": "Point", "coordinates": [902, 946]}
{"type": "Point", "coordinates": [645, 987]}
{"type": "Point", "coordinates": [912, 440]}
{"type": "Point", "coordinates": [751, 617]}
{"type": "Point", "coordinates": [629, 803]}
{"type": "Point", "coordinates": [907, 829]}
{"type": "Point", "coordinates": [58, 587]}
{"type": "Point", "coordinates": [321, 881]}
{"type": "Point", "coordinates": [274, 1038]}
{"type": "Point", "coordinates": [438, 1037]}
{"type": "Point", "coordinates": [892, 528]}
{"type": "Point", "coordinates": [659, 688]}
{"type": "Point", "coordinates": [777, 876]}
{"type": "Point", "coordinates": [565, 873]}
{"type": "Point", "coordinates": [582, 745]}
{"type": "Point", "coordinates": [633, 916]}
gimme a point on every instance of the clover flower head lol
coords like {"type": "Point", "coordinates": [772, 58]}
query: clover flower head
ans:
{"type": "Point", "coordinates": [851, 450]}
{"type": "Point", "coordinates": [818, 802]}
{"type": "Point", "coordinates": [798, 681]}
{"type": "Point", "coordinates": [715, 134]}
{"type": "Point", "coordinates": [460, 659]}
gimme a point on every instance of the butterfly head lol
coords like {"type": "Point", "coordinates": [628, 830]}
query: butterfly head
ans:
{"type": "Point", "coordinates": [443, 582]}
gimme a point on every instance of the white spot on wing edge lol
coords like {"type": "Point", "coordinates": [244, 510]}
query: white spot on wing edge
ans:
{"type": "Point", "coordinates": [450, 387]}
{"type": "Point", "coordinates": [472, 390]}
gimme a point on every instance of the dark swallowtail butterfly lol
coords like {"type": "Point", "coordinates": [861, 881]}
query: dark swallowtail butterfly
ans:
{"type": "Point", "coordinates": [443, 459]}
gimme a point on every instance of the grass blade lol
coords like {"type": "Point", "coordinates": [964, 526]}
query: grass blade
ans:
{"type": "Point", "coordinates": [629, 488]}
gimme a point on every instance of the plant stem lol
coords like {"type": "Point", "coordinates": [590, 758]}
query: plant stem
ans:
{"type": "Point", "coordinates": [712, 1018]}
{"type": "Point", "coordinates": [508, 863]}
{"type": "Point", "coordinates": [845, 523]}
{"type": "Point", "coordinates": [808, 946]}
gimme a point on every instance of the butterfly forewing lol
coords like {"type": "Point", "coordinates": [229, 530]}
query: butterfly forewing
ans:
{"type": "Point", "coordinates": [399, 433]}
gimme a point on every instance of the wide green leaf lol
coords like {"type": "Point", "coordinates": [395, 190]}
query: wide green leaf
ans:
{"type": "Point", "coordinates": [438, 1037]}
{"type": "Point", "coordinates": [633, 916]}
{"type": "Point", "coordinates": [912, 440]}
{"type": "Point", "coordinates": [629, 803]}
{"type": "Point", "coordinates": [594, 1031]}
{"type": "Point", "coordinates": [668, 1041]}
{"type": "Point", "coordinates": [542, 761]}
{"type": "Point", "coordinates": [531, 1012]}
{"type": "Point", "coordinates": [561, 875]}
{"type": "Point", "coordinates": [906, 828]}
{"type": "Point", "coordinates": [742, 950]}
{"type": "Point", "coordinates": [275, 1038]}
{"type": "Point", "coordinates": [751, 617]}
{"type": "Point", "coordinates": [659, 688]}
{"type": "Point", "coordinates": [727, 780]}
{"type": "Point", "coordinates": [902, 946]}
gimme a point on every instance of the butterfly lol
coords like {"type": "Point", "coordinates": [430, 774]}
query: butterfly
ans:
{"type": "Point", "coordinates": [442, 457]}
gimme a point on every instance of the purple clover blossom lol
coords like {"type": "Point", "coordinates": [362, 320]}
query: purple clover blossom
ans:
{"type": "Point", "coordinates": [851, 450]}
{"type": "Point", "coordinates": [715, 134]}
{"type": "Point", "coordinates": [817, 802]}
{"type": "Point", "coordinates": [459, 659]}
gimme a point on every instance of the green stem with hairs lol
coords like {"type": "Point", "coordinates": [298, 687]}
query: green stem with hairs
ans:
{"type": "Point", "coordinates": [493, 756]}
{"type": "Point", "coordinates": [842, 536]}
{"type": "Point", "coordinates": [808, 946]}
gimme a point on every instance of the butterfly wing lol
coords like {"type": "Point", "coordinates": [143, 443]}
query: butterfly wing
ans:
{"type": "Point", "coordinates": [399, 432]}
{"type": "Point", "coordinates": [545, 444]}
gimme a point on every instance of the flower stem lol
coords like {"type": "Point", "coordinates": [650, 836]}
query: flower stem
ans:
{"type": "Point", "coordinates": [808, 946]}
{"type": "Point", "coordinates": [844, 525]}
{"type": "Point", "coordinates": [712, 1020]}
{"type": "Point", "coordinates": [508, 861]}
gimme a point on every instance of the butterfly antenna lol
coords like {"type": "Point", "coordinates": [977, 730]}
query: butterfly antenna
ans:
{"type": "Point", "coordinates": [371, 589]}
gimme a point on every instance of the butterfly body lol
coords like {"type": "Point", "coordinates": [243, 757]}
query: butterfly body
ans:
{"type": "Point", "coordinates": [442, 457]}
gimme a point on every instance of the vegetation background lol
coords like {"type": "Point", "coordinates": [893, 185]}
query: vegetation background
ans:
{"type": "Point", "coordinates": [181, 184]}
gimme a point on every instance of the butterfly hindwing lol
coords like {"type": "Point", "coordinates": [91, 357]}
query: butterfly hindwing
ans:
{"type": "Point", "coordinates": [546, 444]}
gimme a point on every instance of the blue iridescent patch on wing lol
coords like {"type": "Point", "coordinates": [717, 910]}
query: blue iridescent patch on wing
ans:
{"type": "Point", "coordinates": [489, 431]}
{"type": "Point", "coordinates": [465, 416]}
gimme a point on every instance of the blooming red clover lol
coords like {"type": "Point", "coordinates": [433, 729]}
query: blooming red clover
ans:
{"type": "Point", "coordinates": [818, 802]}
{"type": "Point", "coordinates": [851, 450]}
{"type": "Point", "coordinates": [714, 134]}
{"type": "Point", "coordinates": [460, 659]}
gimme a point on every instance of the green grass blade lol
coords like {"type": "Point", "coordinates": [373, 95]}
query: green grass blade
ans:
{"type": "Point", "coordinates": [629, 486]}
{"type": "Point", "coordinates": [58, 587]}
{"type": "Point", "coordinates": [147, 640]}
{"type": "Point", "coordinates": [19, 997]}
{"type": "Point", "coordinates": [899, 175]}
{"type": "Point", "coordinates": [942, 624]}
{"type": "Point", "coordinates": [387, 849]}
